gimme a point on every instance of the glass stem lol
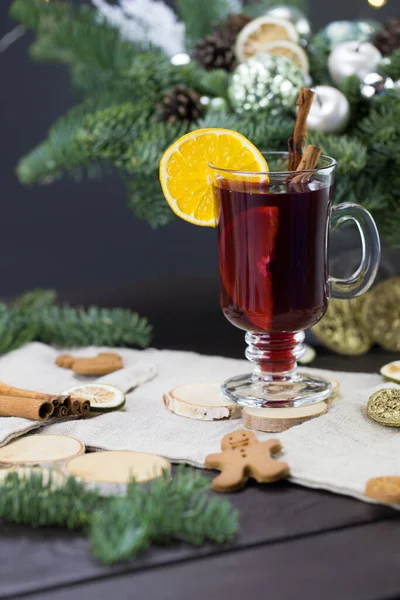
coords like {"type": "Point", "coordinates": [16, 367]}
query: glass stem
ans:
{"type": "Point", "coordinates": [275, 354]}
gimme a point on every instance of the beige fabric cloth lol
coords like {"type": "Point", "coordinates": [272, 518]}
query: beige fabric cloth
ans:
{"type": "Point", "coordinates": [339, 451]}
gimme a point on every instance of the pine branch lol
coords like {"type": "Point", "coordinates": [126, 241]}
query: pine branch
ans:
{"type": "Point", "coordinates": [168, 512]}
{"type": "Point", "coordinates": [16, 329]}
{"type": "Point", "coordinates": [359, 106]}
{"type": "Point", "coordinates": [257, 8]}
{"type": "Point", "coordinates": [318, 53]}
{"type": "Point", "coordinates": [201, 17]}
{"type": "Point", "coordinates": [266, 131]}
{"type": "Point", "coordinates": [164, 512]}
{"type": "Point", "coordinates": [34, 316]}
{"type": "Point", "coordinates": [215, 83]}
{"type": "Point", "coordinates": [146, 200]}
{"type": "Point", "coordinates": [35, 500]}
{"type": "Point", "coordinates": [69, 326]}
{"type": "Point", "coordinates": [35, 300]}
{"type": "Point", "coordinates": [144, 154]}
{"type": "Point", "coordinates": [350, 153]}
{"type": "Point", "coordinates": [392, 69]}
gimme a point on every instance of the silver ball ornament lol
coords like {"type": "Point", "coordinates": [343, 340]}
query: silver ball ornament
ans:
{"type": "Point", "coordinates": [265, 81]}
{"type": "Point", "coordinates": [338, 32]}
{"type": "Point", "coordinates": [295, 16]}
{"type": "Point", "coordinates": [375, 84]}
{"type": "Point", "coordinates": [330, 110]}
{"type": "Point", "coordinates": [353, 58]}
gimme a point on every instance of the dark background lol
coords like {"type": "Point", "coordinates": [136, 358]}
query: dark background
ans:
{"type": "Point", "coordinates": [80, 238]}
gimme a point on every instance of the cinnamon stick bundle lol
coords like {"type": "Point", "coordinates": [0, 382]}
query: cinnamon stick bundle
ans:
{"type": "Point", "coordinates": [80, 407]}
{"type": "Point", "coordinates": [297, 143]}
{"type": "Point", "coordinates": [61, 412]}
{"type": "Point", "coordinates": [9, 390]}
{"type": "Point", "coordinates": [27, 408]}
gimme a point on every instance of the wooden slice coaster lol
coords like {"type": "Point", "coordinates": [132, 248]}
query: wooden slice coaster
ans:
{"type": "Point", "coordinates": [57, 478]}
{"type": "Point", "coordinates": [279, 419]}
{"type": "Point", "coordinates": [118, 467]}
{"type": "Point", "coordinates": [201, 401]}
{"type": "Point", "coordinates": [41, 449]}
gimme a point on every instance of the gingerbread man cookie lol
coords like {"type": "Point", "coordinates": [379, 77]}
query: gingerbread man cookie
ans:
{"type": "Point", "coordinates": [242, 457]}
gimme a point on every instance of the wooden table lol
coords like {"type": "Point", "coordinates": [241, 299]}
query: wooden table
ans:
{"type": "Point", "coordinates": [294, 543]}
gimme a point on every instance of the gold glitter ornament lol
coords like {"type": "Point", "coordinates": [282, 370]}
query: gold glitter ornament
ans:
{"type": "Point", "coordinates": [384, 407]}
{"type": "Point", "coordinates": [342, 329]}
{"type": "Point", "coordinates": [382, 314]}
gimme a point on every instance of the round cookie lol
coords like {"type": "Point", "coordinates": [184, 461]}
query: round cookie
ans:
{"type": "Point", "coordinates": [384, 489]}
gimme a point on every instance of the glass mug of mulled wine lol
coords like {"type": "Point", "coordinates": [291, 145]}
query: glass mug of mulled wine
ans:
{"type": "Point", "coordinates": [273, 256]}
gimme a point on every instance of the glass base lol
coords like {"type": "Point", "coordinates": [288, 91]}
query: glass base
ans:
{"type": "Point", "coordinates": [275, 392]}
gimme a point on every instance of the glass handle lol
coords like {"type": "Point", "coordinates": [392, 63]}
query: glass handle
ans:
{"type": "Point", "coordinates": [364, 276]}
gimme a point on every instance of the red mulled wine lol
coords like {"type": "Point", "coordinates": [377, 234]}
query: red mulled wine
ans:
{"type": "Point", "coordinates": [273, 255]}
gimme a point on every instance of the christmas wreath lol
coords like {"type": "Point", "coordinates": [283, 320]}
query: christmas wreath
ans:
{"type": "Point", "coordinates": [146, 77]}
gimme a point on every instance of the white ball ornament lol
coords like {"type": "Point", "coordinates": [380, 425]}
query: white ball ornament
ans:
{"type": "Point", "coordinates": [330, 110]}
{"type": "Point", "coordinates": [353, 58]}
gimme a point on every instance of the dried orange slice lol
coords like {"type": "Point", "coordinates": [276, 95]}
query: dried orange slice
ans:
{"type": "Point", "coordinates": [185, 174]}
{"type": "Point", "coordinates": [290, 50]}
{"type": "Point", "coordinates": [262, 31]}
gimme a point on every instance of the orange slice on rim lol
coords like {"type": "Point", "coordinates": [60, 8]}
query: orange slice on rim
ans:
{"type": "Point", "coordinates": [186, 177]}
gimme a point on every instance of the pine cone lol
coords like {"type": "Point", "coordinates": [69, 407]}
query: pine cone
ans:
{"type": "Point", "coordinates": [388, 39]}
{"type": "Point", "coordinates": [180, 104]}
{"type": "Point", "coordinates": [231, 27]}
{"type": "Point", "coordinates": [215, 51]}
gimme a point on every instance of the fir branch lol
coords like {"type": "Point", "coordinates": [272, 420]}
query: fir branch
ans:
{"type": "Point", "coordinates": [37, 499]}
{"type": "Point", "coordinates": [318, 53]}
{"type": "Point", "coordinates": [16, 329]}
{"type": "Point", "coordinates": [35, 300]}
{"type": "Point", "coordinates": [34, 316]}
{"type": "Point", "coordinates": [266, 131]}
{"type": "Point", "coordinates": [392, 67]}
{"type": "Point", "coordinates": [144, 154]}
{"type": "Point", "coordinates": [257, 8]}
{"type": "Point", "coordinates": [62, 151]}
{"type": "Point", "coordinates": [359, 106]}
{"type": "Point", "coordinates": [146, 200]}
{"type": "Point", "coordinates": [168, 512]}
{"type": "Point", "coordinates": [201, 17]}
{"type": "Point", "coordinates": [164, 511]}
{"type": "Point", "coordinates": [70, 326]}
{"type": "Point", "coordinates": [350, 153]}
{"type": "Point", "coordinates": [215, 83]}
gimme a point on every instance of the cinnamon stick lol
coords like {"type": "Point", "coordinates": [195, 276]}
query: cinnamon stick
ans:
{"type": "Point", "coordinates": [9, 390]}
{"type": "Point", "coordinates": [308, 162]}
{"type": "Point", "coordinates": [61, 412]}
{"type": "Point", "coordinates": [85, 407]}
{"type": "Point", "coordinates": [27, 408]}
{"type": "Point", "coordinates": [297, 143]}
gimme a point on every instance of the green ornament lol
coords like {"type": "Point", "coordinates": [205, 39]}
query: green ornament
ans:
{"type": "Point", "coordinates": [350, 31]}
{"type": "Point", "coordinates": [265, 82]}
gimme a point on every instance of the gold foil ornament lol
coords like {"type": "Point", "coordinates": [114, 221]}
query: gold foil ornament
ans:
{"type": "Point", "coordinates": [342, 328]}
{"type": "Point", "coordinates": [381, 314]}
{"type": "Point", "coordinates": [384, 407]}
